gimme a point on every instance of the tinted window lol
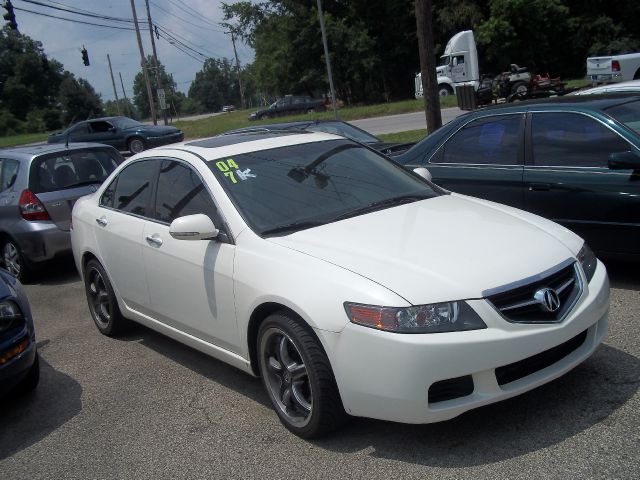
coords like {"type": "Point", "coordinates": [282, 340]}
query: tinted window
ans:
{"type": "Point", "coordinates": [491, 140]}
{"type": "Point", "coordinates": [8, 174]}
{"type": "Point", "coordinates": [80, 128]}
{"type": "Point", "coordinates": [181, 192]}
{"type": "Point", "coordinates": [313, 182]}
{"type": "Point", "coordinates": [572, 139]}
{"type": "Point", "coordinates": [628, 113]}
{"type": "Point", "coordinates": [133, 187]}
{"type": "Point", "coordinates": [99, 127]}
{"type": "Point", "coordinates": [71, 169]}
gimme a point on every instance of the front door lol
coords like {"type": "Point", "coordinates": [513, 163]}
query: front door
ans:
{"type": "Point", "coordinates": [190, 282]}
{"type": "Point", "coordinates": [567, 180]}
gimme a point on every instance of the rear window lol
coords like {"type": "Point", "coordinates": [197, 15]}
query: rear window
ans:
{"type": "Point", "coordinates": [70, 169]}
{"type": "Point", "coordinates": [628, 113]}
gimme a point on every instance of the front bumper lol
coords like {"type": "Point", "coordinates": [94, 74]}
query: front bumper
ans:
{"type": "Point", "coordinates": [388, 376]}
{"type": "Point", "coordinates": [17, 368]}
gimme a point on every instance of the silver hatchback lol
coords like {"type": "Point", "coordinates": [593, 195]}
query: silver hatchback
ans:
{"type": "Point", "coordinates": [38, 187]}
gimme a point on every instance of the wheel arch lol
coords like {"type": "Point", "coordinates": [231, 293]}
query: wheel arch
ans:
{"type": "Point", "coordinates": [636, 76]}
{"type": "Point", "coordinates": [259, 315]}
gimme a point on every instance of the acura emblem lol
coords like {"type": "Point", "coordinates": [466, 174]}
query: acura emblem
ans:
{"type": "Point", "coordinates": [548, 299]}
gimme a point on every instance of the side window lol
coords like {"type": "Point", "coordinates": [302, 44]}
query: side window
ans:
{"type": "Point", "coordinates": [492, 140]}
{"type": "Point", "coordinates": [99, 127]}
{"type": "Point", "coordinates": [8, 174]}
{"type": "Point", "coordinates": [108, 196]}
{"type": "Point", "coordinates": [572, 140]}
{"type": "Point", "coordinates": [79, 129]}
{"type": "Point", "coordinates": [133, 187]}
{"type": "Point", "coordinates": [181, 192]}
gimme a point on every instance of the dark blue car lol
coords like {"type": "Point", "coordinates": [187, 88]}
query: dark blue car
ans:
{"type": "Point", "coordinates": [120, 132]}
{"type": "Point", "coordinates": [19, 365]}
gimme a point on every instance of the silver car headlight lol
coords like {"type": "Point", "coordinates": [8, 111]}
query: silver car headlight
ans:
{"type": "Point", "coordinates": [431, 318]}
{"type": "Point", "coordinates": [588, 261]}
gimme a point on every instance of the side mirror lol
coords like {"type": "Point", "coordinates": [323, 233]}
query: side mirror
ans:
{"type": "Point", "coordinates": [624, 161]}
{"type": "Point", "coordinates": [193, 227]}
{"type": "Point", "coordinates": [423, 172]}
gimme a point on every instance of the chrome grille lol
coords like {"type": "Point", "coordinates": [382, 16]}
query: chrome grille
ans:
{"type": "Point", "coordinates": [518, 303]}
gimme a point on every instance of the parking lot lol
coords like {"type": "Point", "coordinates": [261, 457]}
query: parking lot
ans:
{"type": "Point", "coordinates": [145, 406]}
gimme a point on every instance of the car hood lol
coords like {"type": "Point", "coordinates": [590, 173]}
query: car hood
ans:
{"type": "Point", "coordinates": [445, 248]}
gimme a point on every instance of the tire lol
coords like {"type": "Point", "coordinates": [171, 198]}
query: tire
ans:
{"type": "Point", "coordinates": [304, 394]}
{"type": "Point", "coordinates": [30, 382]}
{"type": "Point", "coordinates": [14, 262]}
{"type": "Point", "coordinates": [103, 304]}
{"type": "Point", "coordinates": [311, 110]}
{"type": "Point", "coordinates": [444, 90]}
{"type": "Point", "coordinates": [136, 145]}
{"type": "Point", "coordinates": [521, 88]}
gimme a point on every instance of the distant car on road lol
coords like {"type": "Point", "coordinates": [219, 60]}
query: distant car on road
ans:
{"type": "Point", "coordinates": [228, 108]}
{"type": "Point", "coordinates": [337, 127]}
{"type": "Point", "coordinates": [572, 159]}
{"type": "Point", "coordinates": [19, 364]}
{"type": "Point", "coordinates": [122, 133]}
{"type": "Point", "coordinates": [289, 105]}
{"type": "Point", "coordinates": [38, 187]}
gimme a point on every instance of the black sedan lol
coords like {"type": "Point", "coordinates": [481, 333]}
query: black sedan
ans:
{"type": "Point", "coordinates": [336, 127]}
{"type": "Point", "coordinates": [574, 160]}
{"type": "Point", "coordinates": [120, 132]}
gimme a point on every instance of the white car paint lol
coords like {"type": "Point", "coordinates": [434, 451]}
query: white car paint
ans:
{"type": "Point", "coordinates": [203, 293]}
{"type": "Point", "coordinates": [632, 86]}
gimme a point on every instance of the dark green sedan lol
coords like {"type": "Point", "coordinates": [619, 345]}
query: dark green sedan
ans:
{"type": "Point", "coordinates": [573, 159]}
{"type": "Point", "coordinates": [122, 133]}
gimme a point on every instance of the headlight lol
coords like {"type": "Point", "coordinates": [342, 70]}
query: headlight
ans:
{"type": "Point", "coordinates": [588, 260]}
{"type": "Point", "coordinates": [432, 318]}
{"type": "Point", "coordinates": [10, 315]}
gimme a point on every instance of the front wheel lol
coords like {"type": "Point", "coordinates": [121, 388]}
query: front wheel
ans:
{"type": "Point", "coordinates": [444, 90]}
{"type": "Point", "coordinates": [521, 88]}
{"type": "Point", "coordinates": [136, 145]}
{"type": "Point", "coordinates": [14, 261]}
{"type": "Point", "coordinates": [298, 378]}
{"type": "Point", "coordinates": [102, 300]}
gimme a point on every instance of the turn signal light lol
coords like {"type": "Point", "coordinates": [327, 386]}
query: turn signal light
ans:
{"type": "Point", "coordinates": [31, 208]}
{"type": "Point", "coordinates": [14, 351]}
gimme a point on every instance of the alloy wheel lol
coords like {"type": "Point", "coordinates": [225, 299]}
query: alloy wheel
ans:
{"type": "Point", "coordinates": [286, 377]}
{"type": "Point", "coordinates": [99, 298]}
{"type": "Point", "coordinates": [12, 260]}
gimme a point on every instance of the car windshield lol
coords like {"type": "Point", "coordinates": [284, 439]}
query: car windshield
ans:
{"type": "Point", "coordinates": [627, 113]}
{"type": "Point", "coordinates": [124, 122]}
{"type": "Point", "coordinates": [71, 168]}
{"type": "Point", "coordinates": [444, 61]}
{"type": "Point", "coordinates": [344, 130]}
{"type": "Point", "coordinates": [296, 187]}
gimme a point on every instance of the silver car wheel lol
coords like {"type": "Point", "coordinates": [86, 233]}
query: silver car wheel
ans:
{"type": "Point", "coordinates": [286, 377]}
{"type": "Point", "coordinates": [12, 260]}
{"type": "Point", "coordinates": [136, 145]}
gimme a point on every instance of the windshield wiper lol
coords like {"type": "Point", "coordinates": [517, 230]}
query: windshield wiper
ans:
{"type": "Point", "coordinates": [293, 227]}
{"type": "Point", "coordinates": [382, 204]}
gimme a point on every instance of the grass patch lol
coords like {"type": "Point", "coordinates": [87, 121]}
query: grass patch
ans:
{"type": "Point", "coordinates": [23, 139]}
{"type": "Point", "coordinates": [404, 137]}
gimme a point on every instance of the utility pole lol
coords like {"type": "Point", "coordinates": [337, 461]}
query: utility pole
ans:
{"type": "Point", "coordinates": [113, 82]}
{"type": "Point", "coordinates": [233, 40]}
{"type": "Point", "coordinates": [155, 61]}
{"type": "Point", "coordinates": [124, 94]}
{"type": "Point", "coordinates": [424, 31]}
{"type": "Point", "coordinates": [326, 56]}
{"type": "Point", "coordinates": [143, 63]}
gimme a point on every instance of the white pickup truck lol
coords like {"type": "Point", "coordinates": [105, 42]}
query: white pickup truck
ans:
{"type": "Point", "coordinates": [614, 68]}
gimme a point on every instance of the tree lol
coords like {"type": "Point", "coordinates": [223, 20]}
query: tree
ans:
{"type": "Point", "coordinates": [140, 97]}
{"type": "Point", "coordinates": [215, 85]}
{"type": "Point", "coordinates": [424, 22]}
{"type": "Point", "coordinates": [77, 99]}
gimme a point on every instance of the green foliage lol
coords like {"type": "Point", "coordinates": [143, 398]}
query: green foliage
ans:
{"type": "Point", "coordinates": [214, 86]}
{"type": "Point", "coordinates": [126, 108]}
{"type": "Point", "coordinates": [78, 100]}
{"type": "Point", "coordinates": [140, 97]}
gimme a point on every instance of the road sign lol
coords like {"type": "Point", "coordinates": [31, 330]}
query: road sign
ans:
{"type": "Point", "coordinates": [161, 99]}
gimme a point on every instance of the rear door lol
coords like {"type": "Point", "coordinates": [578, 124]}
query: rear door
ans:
{"type": "Point", "coordinates": [567, 180]}
{"type": "Point", "coordinates": [484, 159]}
{"type": "Point", "coordinates": [58, 180]}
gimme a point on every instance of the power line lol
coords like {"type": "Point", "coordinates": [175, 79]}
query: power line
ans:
{"type": "Point", "coordinates": [77, 11]}
{"type": "Point", "coordinates": [174, 16]}
{"type": "Point", "coordinates": [74, 20]}
{"type": "Point", "coordinates": [194, 13]}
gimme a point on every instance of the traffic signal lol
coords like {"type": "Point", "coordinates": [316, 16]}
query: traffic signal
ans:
{"type": "Point", "coordinates": [85, 56]}
{"type": "Point", "coordinates": [10, 16]}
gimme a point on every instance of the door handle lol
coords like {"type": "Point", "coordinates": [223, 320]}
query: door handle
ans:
{"type": "Point", "coordinates": [539, 187]}
{"type": "Point", "coordinates": [102, 221]}
{"type": "Point", "coordinates": [154, 240]}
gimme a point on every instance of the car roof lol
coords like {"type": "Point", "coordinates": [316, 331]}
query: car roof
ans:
{"type": "Point", "coordinates": [301, 124]}
{"type": "Point", "coordinates": [578, 102]}
{"type": "Point", "coordinates": [31, 151]}
{"type": "Point", "coordinates": [626, 87]}
{"type": "Point", "coordinates": [236, 144]}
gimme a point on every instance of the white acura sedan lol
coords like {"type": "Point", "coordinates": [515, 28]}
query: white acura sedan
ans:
{"type": "Point", "coordinates": [350, 285]}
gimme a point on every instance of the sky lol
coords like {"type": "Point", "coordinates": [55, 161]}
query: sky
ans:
{"type": "Point", "coordinates": [193, 22]}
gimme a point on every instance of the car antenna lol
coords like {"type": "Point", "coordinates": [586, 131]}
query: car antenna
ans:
{"type": "Point", "coordinates": [66, 140]}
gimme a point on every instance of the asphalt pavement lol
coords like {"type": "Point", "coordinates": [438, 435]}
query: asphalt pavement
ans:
{"type": "Point", "coordinates": [144, 406]}
{"type": "Point", "coordinates": [402, 122]}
